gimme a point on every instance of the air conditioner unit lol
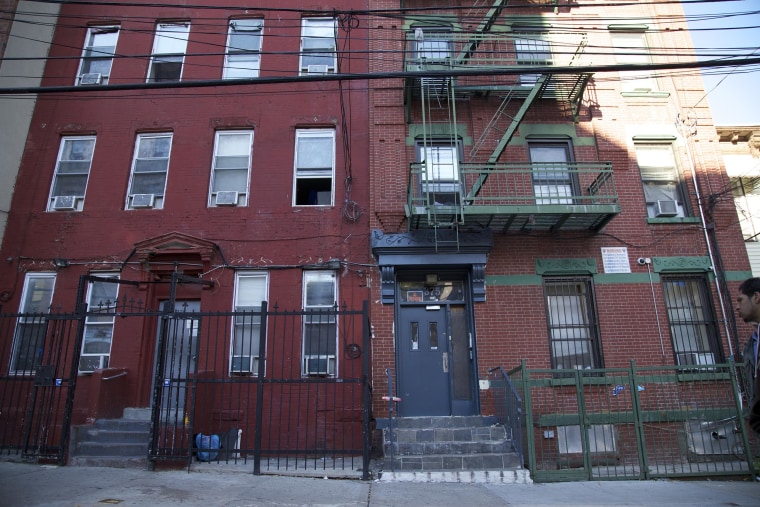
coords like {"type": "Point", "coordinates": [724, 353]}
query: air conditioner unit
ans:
{"type": "Point", "coordinates": [93, 78]}
{"type": "Point", "coordinates": [317, 69]}
{"type": "Point", "coordinates": [244, 365]}
{"type": "Point", "coordinates": [319, 365]}
{"type": "Point", "coordinates": [666, 208]}
{"type": "Point", "coordinates": [143, 200]}
{"type": "Point", "coordinates": [226, 198]}
{"type": "Point", "coordinates": [65, 202]}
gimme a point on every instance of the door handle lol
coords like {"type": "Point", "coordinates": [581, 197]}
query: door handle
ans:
{"type": "Point", "coordinates": [445, 357]}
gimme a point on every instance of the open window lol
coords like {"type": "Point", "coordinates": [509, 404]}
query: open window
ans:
{"type": "Point", "coordinates": [661, 179]}
{"type": "Point", "coordinates": [169, 48]}
{"type": "Point", "coordinates": [314, 171]}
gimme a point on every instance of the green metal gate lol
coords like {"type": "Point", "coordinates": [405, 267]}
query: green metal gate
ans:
{"type": "Point", "coordinates": [634, 423]}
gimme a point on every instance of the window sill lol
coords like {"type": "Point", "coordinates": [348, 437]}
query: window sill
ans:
{"type": "Point", "coordinates": [648, 95]}
{"type": "Point", "coordinates": [673, 220]}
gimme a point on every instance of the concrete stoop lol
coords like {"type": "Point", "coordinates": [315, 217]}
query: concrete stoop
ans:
{"type": "Point", "coordinates": [468, 449]}
{"type": "Point", "coordinates": [516, 476]}
{"type": "Point", "coordinates": [114, 443]}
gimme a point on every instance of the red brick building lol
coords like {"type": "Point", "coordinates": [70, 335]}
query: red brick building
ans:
{"type": "Point", "coordinates": [525, 206]}
{"type": "Point", "coordinates": [192, 158]}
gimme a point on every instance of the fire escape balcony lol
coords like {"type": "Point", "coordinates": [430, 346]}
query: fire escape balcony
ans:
{"type": "Point", "coordinates": [466, 64]}
{"type": "Point", "coordinates": [510, 197]}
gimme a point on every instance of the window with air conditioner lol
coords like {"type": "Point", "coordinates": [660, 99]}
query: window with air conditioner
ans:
{"type": "Point", "coordinates": [320, 326]}
{"type": "Point", "coordinates": [243, 56]}
{"type": "Point", "coordinates": [250, 292]}
{"type": "Point", "coordinates": [693, 326]}
{"type": "Point", "coordinates": [28, 349]}
{"type": "Point", "coordinates": [314, 171]}
{"type": "Point", "coordinates": [440, 177]}
{"type": "Point", "coordinates": [72, 171]}
{"type": "Point", "coordinates": [632, 48]}
{"type": "Point", "coordinates": [573, 325]}
{"type": "Point", "coordinates": [169, 47]}
{"type": "Point", "coordinates": [661, 180]}
{"type": "Point", "coordinates": [150, 166]}
{"type": "Point", "coordinates": [231, 167]}
{"type": "Point", "coordinates": [318, 45]}
{"type": "Point", "coordinates": [99, 323]}
{"type": "Point", "coordinates": [97, 56]}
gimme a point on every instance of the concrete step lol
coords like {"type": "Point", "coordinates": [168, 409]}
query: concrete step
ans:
{"type": "Point", "coordinates": [120, 443]}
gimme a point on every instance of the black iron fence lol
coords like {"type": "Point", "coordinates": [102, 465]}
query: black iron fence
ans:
{"type": "Point", "coordinates": [634, 423]}
{"type": "Point", "coordinates": [283, 389]}
{"type": "Point", "coordinates": [508, 408]}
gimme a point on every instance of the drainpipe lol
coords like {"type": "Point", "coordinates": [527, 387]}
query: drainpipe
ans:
{"type": "Point", "coordinates": [692, 130]}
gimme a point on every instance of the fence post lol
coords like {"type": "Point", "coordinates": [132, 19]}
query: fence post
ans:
{"type": "Point", "coordinates": [583, 423]}
{"type": "Point", "coordinates": [641, 444]}
{"type": "Point", "coordinates": [528, 417]}
{"type": "Point", "coordinates": [257, 434]}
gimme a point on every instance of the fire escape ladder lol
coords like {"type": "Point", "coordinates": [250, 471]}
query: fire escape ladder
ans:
{"type": "Point", "coordinates": [538, 88]}
{"type": "Point", "coordinates": [484, 26]}
{"type": "Point", "coordinates": [493, 125]}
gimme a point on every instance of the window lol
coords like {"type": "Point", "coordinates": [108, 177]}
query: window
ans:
{"type": "Point", "coordinates": [243, 56]}
{"type": "Point", "coordinates": [432, 44]}
{"type": "Point", "coordinates": [149, 169]}
{"type": "Point", "coordinates": [72, 170]}
{"type": "Point", "coordinates": [97, 57]}
{"type": "Point", "coordinates": [440, 176]}
{"type": "Point", "coordinates": [746, 192]}
{"type": "Point", "coordinates": [660, 177]}
{"type": "Point", "coordinates": [320, 330]}
{"type": "Point", "coordinates": [231, 168]}
{"type": "Point", "coordinates": [314, 167]}
{"type": "Point", "coordinates": [693, 328]}
{"type": "Point", "coordinates": [573, 327]}
{"type": "Point", "coordinates": [553, 183]}
{"type": "Point", "coordinates": [31, 326]}
{"type": "Point", "coordinates": [169, 48]}
{"type": "Point", "coordinates": [250, 292]}
{"type": "Point", "coordinates": [99, 324]}
{"type": "Point", "coordinates": [531, 49]}
{"type": "Point", "coordinates": [318, 46]}
{"type": "Point", "coordinates": [631, 48]}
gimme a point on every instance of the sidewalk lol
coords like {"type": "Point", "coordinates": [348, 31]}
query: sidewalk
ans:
{"type": "Point", "coordinates": [27, 485]}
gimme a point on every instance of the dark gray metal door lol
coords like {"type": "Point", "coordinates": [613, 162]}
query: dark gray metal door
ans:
{"type": "Point", "coordinates": [424, 362]}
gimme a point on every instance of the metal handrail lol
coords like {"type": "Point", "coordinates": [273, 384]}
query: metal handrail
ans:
{"type": "Point", "coordinates": [511, 413]}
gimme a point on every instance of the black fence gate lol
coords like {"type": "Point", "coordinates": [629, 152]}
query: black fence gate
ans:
{"type": "Point", "coordinates": [290, 393]}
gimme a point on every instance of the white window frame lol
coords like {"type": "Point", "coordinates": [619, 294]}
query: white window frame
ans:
{"type": "Point", "coordinates": [70, 165]}
{"type": "Point", "coordinates": [220, 171]}
{"type": "Point", "coordinates": [632, 48]}
{"type": "Point", "coordinates": [158, 202]}
{"type": "Point", "coordinates": [440, 177]}
{"type": "Point", "coordinates": [97, 58]}
{"type": "Point", "coordinates": [251, 290]}
{"type": "Point", "coordinates": [660, 176]}
{"type": "Point", "coordinates": [319, 315]}
{"type": "Point", "coordinates": [169, 46]}
{"type": "Point", "coordinates": [532, 49]}
{"type": "Point", "coordinates": [243, 62]}
{"type": "Point", "coordinates": [323, 31]}
{"type": "Point", "coordinates": [99, 328]}
{"type": "Point", "coordinates": [35, 304]}
{"type": "Point", "coordinates": [553, 182]}
{"type": "Point", "coordinates": [306, 168]}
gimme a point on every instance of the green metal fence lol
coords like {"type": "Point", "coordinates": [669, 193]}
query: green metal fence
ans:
{"type": "Point", "coordinates": [634, 423]}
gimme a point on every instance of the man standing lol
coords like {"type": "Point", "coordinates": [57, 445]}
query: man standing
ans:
{"type": "Point", "coordinates": [748, 307]}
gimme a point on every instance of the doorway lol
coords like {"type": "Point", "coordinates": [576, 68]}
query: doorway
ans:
{"type": "Point", "coordinates": [435, 350]}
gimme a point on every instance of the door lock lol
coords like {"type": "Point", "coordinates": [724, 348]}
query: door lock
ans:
{"type": "Point", "coordinates": [445, 356]}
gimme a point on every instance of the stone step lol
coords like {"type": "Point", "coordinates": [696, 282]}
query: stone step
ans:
{"type": "Point", "coordinates": [440, 422]}
{"type": "Point", "coordinates": [443, 462]}
{"type": "Point", "coordinates": [125, 449]}
{"type": "Point", "coordinates": [94, 434]}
